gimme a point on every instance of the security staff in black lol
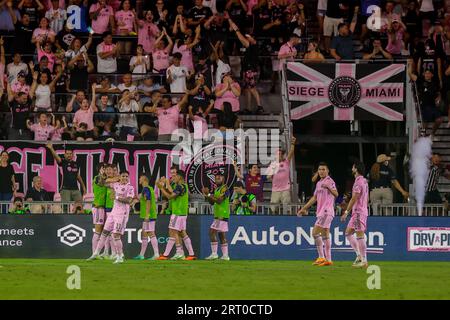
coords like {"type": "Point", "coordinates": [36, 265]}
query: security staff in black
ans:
{"type": "Point", "coordinates": [71, 175]}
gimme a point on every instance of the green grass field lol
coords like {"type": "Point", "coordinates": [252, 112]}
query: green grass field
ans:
{"type": "Point", "coordinates": [46, 279]}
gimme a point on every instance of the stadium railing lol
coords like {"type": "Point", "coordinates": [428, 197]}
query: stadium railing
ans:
{"type": "Point", "coordinates": [204, 208]}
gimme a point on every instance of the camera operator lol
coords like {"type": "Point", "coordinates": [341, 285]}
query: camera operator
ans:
{"type": "Point", "coordinates": [18, 207]}
{"type": "Point", "coordinates": [242, 202]}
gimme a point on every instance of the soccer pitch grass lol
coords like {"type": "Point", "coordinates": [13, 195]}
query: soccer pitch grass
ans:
{"type": "Point", "coordinates": [239, 279]}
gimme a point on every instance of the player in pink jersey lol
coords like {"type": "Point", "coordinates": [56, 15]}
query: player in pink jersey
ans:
{"type": "Point", "coordinates": [358, 222]}
{"type": "Point", "coordinates": [117, 220]}
{"type": "Point", "coordinates": [324, 194]}
{"type": "Point", "coordinates": [112, 175]}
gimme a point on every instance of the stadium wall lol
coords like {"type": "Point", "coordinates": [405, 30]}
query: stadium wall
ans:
{"type": "Point", "coordinates": [250, 237]}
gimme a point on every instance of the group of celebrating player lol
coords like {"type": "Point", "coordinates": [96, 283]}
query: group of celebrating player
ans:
{"type": "Point", "coordinates": [114, 196]}
{"type": "Point", "coordinates": [325, 194]}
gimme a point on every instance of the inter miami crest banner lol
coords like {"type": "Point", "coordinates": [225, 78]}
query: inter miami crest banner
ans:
{"type": "Point", "coordinates": [346, 91]}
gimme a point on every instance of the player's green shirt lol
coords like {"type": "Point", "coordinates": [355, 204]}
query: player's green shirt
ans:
{"type": "Point", "coordinates": [109, 202]}
{"type": "Point", "coordinates": [99, 193]}
{"type": "Point", "coordinates": [180, 204]}
{"type": "Point", "coordinates": [148, 194]}
{"type": "Point", "coordinates": [222, 210]}
{"type": "Point", "coordinates": [168, 210]}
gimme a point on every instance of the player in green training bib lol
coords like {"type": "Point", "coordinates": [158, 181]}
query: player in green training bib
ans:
{"type": "Point", "coordinates": [98, 210]}
{"type": "Point", "coordinates": [147, 206]}
{"type": "Point", "coordinates": [179, 204]}
{"type": "Point", "coordinates": [221, 206]}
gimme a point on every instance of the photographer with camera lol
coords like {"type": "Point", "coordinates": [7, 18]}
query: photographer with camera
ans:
{"type": "Point", "coordinates": [243, 203]}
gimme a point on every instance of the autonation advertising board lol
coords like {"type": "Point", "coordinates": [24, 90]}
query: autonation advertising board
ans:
{"type": "Point", "coordinates": [250, 237]}
{"type": "Point", "coordinates": [290, 238]}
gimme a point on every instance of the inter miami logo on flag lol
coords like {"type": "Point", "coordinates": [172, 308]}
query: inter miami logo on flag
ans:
{"type": "Point", "coordinates": [346, 91]}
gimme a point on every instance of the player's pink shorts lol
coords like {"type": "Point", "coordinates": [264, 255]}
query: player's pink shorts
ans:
{"type": "Point", "coordinates": [148, 226]}
{"type": "Point", "coordinates": [358, 222]}
{"type": "Point", "coordinates": [177, 222]}
{"type": "Point", "coordinates": [324, 221]}
{"type": "Point", "coordinates": [220, 225]}
{"type": "Point", "coordinates": [116, 223]}
{"type": "Point", "coordinates": [98, 215]}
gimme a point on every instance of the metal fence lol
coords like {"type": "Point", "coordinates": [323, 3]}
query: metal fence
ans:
{"type": "Point", "coordinates": [204, 208]}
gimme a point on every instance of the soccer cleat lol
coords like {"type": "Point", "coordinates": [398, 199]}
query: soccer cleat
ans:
{"type": "Point", "coordinates": [212, 257]}
{"type": "Point", "coordinates": [319, 261]}
{"type": "Point", "coordinates": [162, 258]}
{"type": "Point", "coordinates": [357, 261]}
{"type": "Point", "coordinates": [93, 257]}
{"type": "Point", "coordinates": [139, 257]}
{"type": "Point", "coordinates": [153, 258]}
{"type": "Point", "coordinates": [104, 256]}
{"type": "Point", "coordinates": [178, 257]}
{"type": "Point", "coordinates": [326, 263]}
{"type": "Point", "coordinates": [225, 258]}
{"type": "Point", "coordinates": [190, 258]}
{"type": "Point", "coordinates": [118, 260]}
{"type": "Point", "coordinates": [362, 264]}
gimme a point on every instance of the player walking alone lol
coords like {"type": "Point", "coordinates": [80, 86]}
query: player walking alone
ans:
{"type": "Point", "coordinates": [358, 205]}
{"type": "Point", "coordinates": [324, 194]}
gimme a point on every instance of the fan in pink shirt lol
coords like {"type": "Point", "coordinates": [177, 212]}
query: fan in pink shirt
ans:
{"type": "Point", "coordinates": [44, 33]}
{"type": "Point", "coordinates": [396, 34]}
{"type": "Point", "coordinates": [42, 130]}
{"type": "Point", "coordinates": [161, 53]}
{"type": "Point", "coordinates": [288, 50]}
{"type": "Point", "coordinates": [279, 173]}
{"type": "Point", "coordinates": [20, 85]}
{"type": "Point", "coordinates": [186, 49]}
{"type": "Point", "coordinates": [147, 32]}
{"type": "Point", "coordinates": [84, 117]}
{"type": "Point", "coordinates": [125, 19]}
{"type": "Point", "coordinates": [358, 222]}
{"type": "Point", "coordinates": [60, 126]}
{"type": "Point", "coordinates": [47, 52]}
{"type": "Point", "coordinates": [168, 117]}
{"type": "Point", "coordinates": [102, 16]}
{"type": "Point", "coordinates": [227, 91]}
{"type": "Point", "coordinates": [324, 194]}
{"type": "Point", "coordinates": [117, 219]}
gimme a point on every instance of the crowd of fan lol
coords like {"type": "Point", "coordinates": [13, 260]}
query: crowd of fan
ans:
{"type": "Point", "coordinates": [156, 59]}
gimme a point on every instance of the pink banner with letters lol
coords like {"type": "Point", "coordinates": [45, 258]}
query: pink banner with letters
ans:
{"type": "Point", "coordinates": [346, 91]}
